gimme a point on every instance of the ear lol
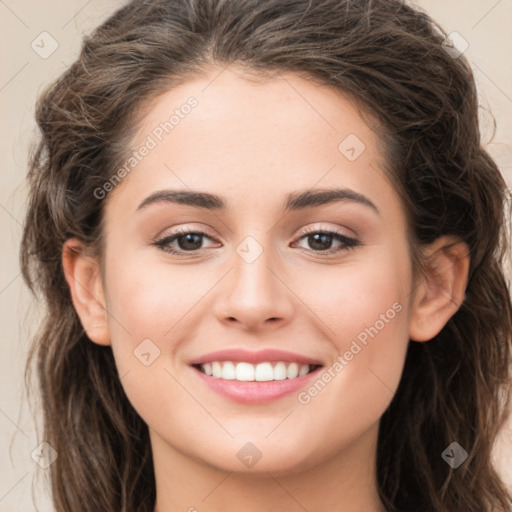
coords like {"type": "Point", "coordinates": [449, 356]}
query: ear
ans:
{"type": "Point", "coordinates": [441, 291]}
{"type": "Point", "coordinates": [83, 276]}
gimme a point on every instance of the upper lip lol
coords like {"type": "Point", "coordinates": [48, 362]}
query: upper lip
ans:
{"type": "Point", "coordinates": [261, 356]}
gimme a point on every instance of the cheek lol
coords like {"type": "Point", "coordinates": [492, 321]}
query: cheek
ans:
{"type": "Point", "coordinates": [151, 300]}
{"type": "Point", "coordinates": [367, 316]}
{"type": "Point", "coordinates": [150, 311]}
{"type": "Point", "coordinates": [350, 299]}
{"type": "Point", "coordinates": [155, 310]}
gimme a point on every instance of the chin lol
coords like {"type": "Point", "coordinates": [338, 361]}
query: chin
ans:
{"type": "Point", "coordinates": [263, 458]}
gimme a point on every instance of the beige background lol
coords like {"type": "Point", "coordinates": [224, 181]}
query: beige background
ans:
{"type": "Point", "coordinates": [484, 24]}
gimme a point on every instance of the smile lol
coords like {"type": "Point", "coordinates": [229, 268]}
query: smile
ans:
{"type": "Point", "coordinates": [262, 372]}
{"type": "Point", "coordinates": [255, 377]}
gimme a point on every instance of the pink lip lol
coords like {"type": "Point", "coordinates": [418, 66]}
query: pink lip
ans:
{"type": "Point", "coordinates": [256, 392]}
{"type": "Point", "coordinates": [270, 355]}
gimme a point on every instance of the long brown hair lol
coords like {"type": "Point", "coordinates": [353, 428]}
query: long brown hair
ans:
{"type": "Point", "coordinates": [388, 57]}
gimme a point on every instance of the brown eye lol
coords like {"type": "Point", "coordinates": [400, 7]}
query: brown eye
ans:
{"type": "Point", "coordinates": [184, 241]}
{"type": "Point", "coordinates": [321, 241]}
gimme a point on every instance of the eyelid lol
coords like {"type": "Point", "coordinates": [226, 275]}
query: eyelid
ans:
{"type": "Point", "coordinates": [349, 242]}
{"type": "Point", "coordinates": [316, 228]}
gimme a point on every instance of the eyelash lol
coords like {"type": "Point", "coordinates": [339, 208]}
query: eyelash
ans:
{"type": "Point", "coordinates": [348, 242]}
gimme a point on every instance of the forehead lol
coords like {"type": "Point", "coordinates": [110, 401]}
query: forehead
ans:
{"type": "Point", "coordinates": [259, 138]}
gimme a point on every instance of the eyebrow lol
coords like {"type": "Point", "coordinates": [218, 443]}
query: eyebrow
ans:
{"type": "Point", "coordinates": [298, 200]}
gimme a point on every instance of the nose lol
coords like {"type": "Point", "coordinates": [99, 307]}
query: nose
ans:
{"type": "Point", "coordinates": [255, 295]}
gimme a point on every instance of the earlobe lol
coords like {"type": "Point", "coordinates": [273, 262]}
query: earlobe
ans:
{"type": "Point", "coordinates": [441, 290]}
{"type": "Point", "coordinates": [83, 276]}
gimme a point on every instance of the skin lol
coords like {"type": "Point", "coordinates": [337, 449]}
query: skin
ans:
{"type": "Point", "coordinates": [253, 141]}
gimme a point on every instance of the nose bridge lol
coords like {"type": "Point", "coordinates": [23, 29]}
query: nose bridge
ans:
{"type": "Point", "coordinates": [254, 295]}
{"type": "Point", "coordinates": [252, 276]}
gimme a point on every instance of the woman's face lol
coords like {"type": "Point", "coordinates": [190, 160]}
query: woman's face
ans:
{"type": "Point", "coordinates": [257, 274]}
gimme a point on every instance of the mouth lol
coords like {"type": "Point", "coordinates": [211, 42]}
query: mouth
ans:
{"type": "Point", "coordinates": [255, 377]}
{"type": "Point", "coordinates": [261, 372]}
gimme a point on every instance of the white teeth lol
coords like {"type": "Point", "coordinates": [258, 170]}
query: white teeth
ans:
{"type": "Point", "coordinates": [228, 371]}
{"type": "Point", "coordinates": [261, 372]}
{"type": "Point", "coordinates": [280, 371]}
{"type": "Point", "coordinates": [303, 370]}
{"type": "Point", "coordinates": [216, 370]}
{"type": "Point", "coordinates": [244, 371]}
{"type": "Point", "coordinates": [293, 370]}
{"type": "Point", "coordinates": [264, 371]}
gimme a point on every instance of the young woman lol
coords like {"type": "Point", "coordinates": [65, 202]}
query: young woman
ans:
{"type": "Point", "coordinates": [271, 248]}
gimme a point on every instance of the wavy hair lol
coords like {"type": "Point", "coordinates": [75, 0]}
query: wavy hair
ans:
{"type": "Point", "coordinates": [388, 57]}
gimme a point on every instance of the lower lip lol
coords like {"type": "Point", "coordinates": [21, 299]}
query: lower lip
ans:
{"type": "Point", "coordinates": [253, 391]}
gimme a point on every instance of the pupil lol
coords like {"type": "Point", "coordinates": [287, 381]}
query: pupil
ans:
{"type": "Point", "coordinates": [319, 239]}
{"type": "Point", "coordinates": [193, 238]}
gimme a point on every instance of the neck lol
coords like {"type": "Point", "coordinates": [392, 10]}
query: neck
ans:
{"type": "Point", "coordinates": [345, 482]}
